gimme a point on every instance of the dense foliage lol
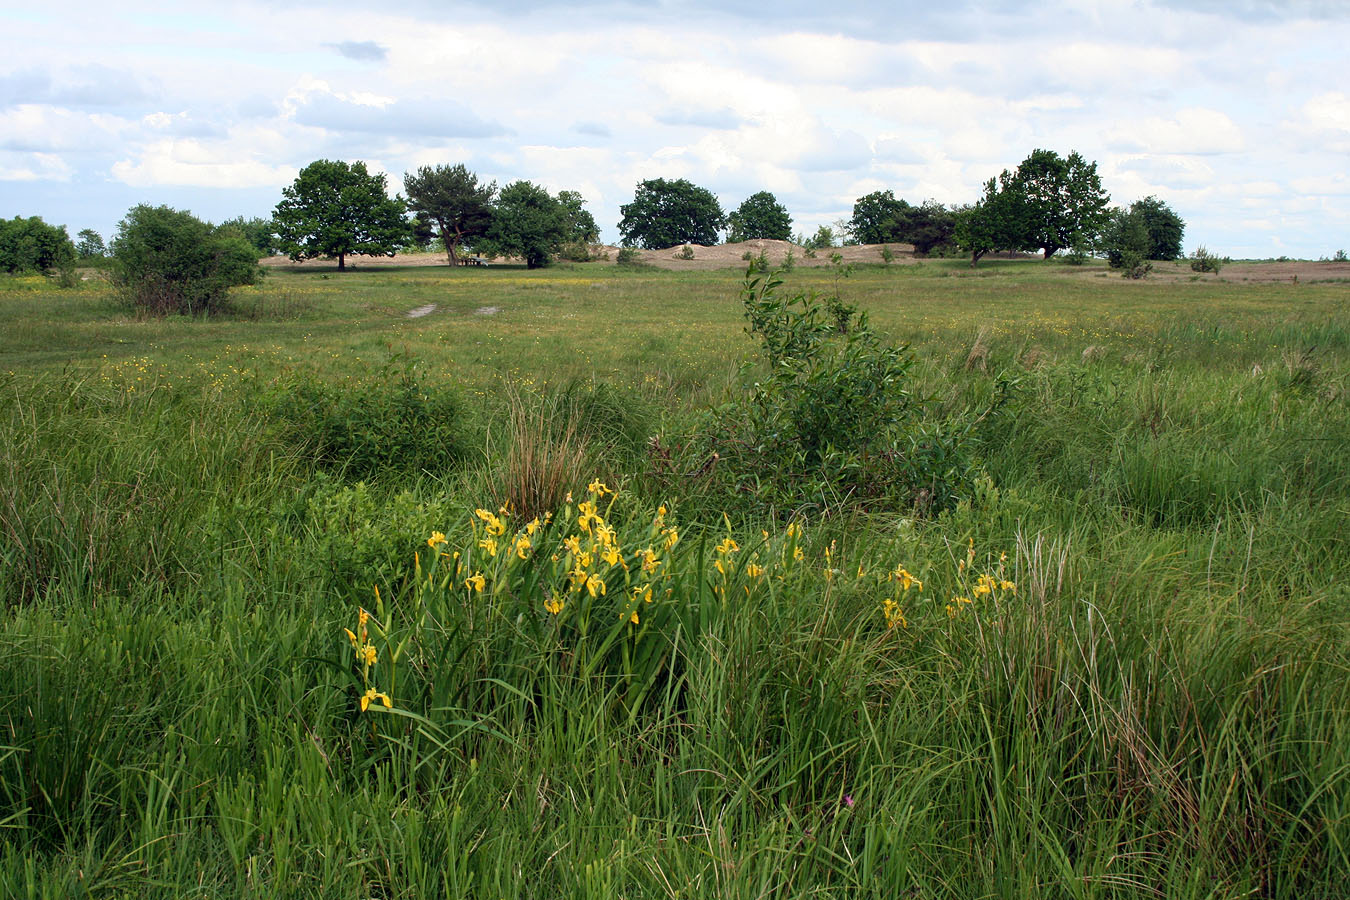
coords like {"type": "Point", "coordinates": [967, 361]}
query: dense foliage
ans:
{"type": "Point", "coordinates": [665, 213]}
{"type": "Point", "coordinates": [529, 222]}
{"type": "Point", "coordinates": [336, 209]}
{"type": "Point", "coordinates": [759, 216]}
{"type": "Point", "coordinates": [31, 245]}
{"type": "Point", "coordinates": [169, 261]}
{"type": "Point", "coordinates": [1064, 203]}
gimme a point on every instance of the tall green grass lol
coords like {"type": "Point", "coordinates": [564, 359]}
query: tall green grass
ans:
{"type": "Point", "coordinates": [1160, 707]}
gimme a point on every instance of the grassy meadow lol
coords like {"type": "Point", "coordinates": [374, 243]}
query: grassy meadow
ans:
{"type": "Point", "coordinates": [319, 600]}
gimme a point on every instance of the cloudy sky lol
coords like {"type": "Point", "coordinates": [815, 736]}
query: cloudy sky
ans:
{"type": "Point", "coordinates": [1234, 112]}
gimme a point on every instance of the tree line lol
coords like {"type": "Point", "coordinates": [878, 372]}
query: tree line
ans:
{"type": "Point", "coordinates": [335, 209]}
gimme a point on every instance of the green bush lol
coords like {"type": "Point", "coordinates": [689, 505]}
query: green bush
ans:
{"type": "Point", "coordinates": [394, 423]}
{"type": "Point", "coordinates": [832, 421]}
{"type": "Point", "coordinates": [629, 256]}
{"type": "Point", "coordinates": [169, 261]}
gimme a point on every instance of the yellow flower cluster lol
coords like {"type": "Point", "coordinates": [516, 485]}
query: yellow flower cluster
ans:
{"type": "Point", "coordinates": [992, 586]}
{"type": "Point", "coordinates": [367, 656]}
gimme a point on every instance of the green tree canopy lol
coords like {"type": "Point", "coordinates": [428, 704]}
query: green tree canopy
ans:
{"type": "Point", "coordinates": [1065, 202]}
{"type": "Point", "coordinates": [528, 222]}
{"type": "Point", "coordinates": [257, 231]}
{"type": "Point", "coordinates": [90, 245]}
{"type": "Point", "coordinates": [31, 245]}
{"type": "Point", "coordinates": [1164, 227]}
{"type": "Point", "coordinates": [665, 213]}
{"type": "Point", "coordinates": [997, 222]}
{"type": "Point", "coordinates": [760, 216]}
{"type": "Point", "coordinates": [451, 197]}
{"type": "Point", "coordinates": [335, 209]}
{"type": "Point", "coordinates": [169, 261]}
{"type": "Point", "coordinates": [876, 217]}
{"type": "Point", "coordinates": [581, 227]}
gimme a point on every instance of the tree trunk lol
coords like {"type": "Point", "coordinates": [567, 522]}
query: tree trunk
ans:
{"type": "Point", "coordinates": [342, 261]}
{"type": "Point", "coordinates": [1049, 252]}
{"type": "Point", "coordinates": [449, 244]}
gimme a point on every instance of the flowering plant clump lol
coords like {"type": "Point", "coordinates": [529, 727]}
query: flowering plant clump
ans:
{"type": "Point", "coordinates": [988, 587]}
{"type": "Point", "coordinates": [597, 588]}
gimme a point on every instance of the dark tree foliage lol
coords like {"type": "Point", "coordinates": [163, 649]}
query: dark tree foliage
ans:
{"type": "Point", "coordinates": [31, 245]}
{"type": "Point", "coordinates": [451, 197]}
{"type": "Point", "coordinates": [169, 261]}
{"type": "Point", "coordinates": [665, 213]}
{"type": "Point", "coordinates": [336, 208]}
{"type": "Point", "coordinates": [528, 222]}
{"type": "Point", "coordinates": [581, 227]}
{"type": "Point", "coordinates": [760, 216]}
{"type": "Point", "coordinates": [876, 217]}
{"type": "Point", "coordinates": [1064, 199]}
{"type": "Point", "coordinates": [257, 231]}
{"type": "Point", "coordinates": [997, 222]}
{"type": "Point", "coordinates": [881, 218]}
{"type": "Point", "coordinates": [1164, 227]}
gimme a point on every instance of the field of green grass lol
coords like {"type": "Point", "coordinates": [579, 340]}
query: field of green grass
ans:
{"type": "Point", "coordinates": [319, 600]}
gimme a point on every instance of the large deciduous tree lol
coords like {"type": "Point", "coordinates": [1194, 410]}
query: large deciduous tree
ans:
{"type": "Point", "coordinates": [451, 197]}
{"type": "Point", "coordinates": [875, 217]}
{"type": "Point", "coordinates": [528, 222]}
{"type": "Point", "coordinates": [1065, 202]}
{"type": "Point", "coordinates": [665, 213]}
{"type": "Point", "coordinates": [337, 209]}
{"type": "Point", "coordinates": [760, 216]}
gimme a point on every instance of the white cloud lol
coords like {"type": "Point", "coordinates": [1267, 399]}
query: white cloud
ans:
{"type": "Point", "coordinates": [1194, 130]}
{"type": "Point", "coordinates": [196, 163]}
{"type": "Point", "coordinates": [33, 167]}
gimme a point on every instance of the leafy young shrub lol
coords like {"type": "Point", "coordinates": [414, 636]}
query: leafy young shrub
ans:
{"type": "Point", "coordinates": [395, 423]}
{"type": "Point", "coordinates": [825, 420]}
{"type": "Point", "coordinates": [686, 252]}
{"type": "Point", "coordinates": [169, 261]}
{"type": "Point", "coordinates": [1204, 261]}
{"type": "Point", "coordinates": [631, 257]}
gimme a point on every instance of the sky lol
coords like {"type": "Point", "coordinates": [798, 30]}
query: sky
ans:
{"type": "Point", "coordinates": [1236, 113]}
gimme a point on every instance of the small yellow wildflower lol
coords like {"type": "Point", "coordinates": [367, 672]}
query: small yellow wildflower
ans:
{"type": "Point", "coordinates": [522, 546]}
{"type": "Point", "coordinates": [368, 655]}
{"type": "Point", "coordinates": [532, 526]}
{"type": "Point", "coordinates": [643, 592]}
{"type": "Point", "coordinates": [587, 516]}
{"type": "Point", "coordinates": [797, 554]}
{"type": "Point", "coordinates": [672, 537]}
{"type": "Point", "coordinates": [605, 534]}
{"type": "Point", "coordinates": [437, 539]}
{"type": "Point", "coordinates": [612, 556]}
{"type": "Point", "coordinates": [634, 617]}
{"type": "Point", "coordinates": [754, 570]}
{"type": "Point", "coordinates": [598, 487]}
{"type": "Point", "coordinates": [649, 561]}
{"type": "Point", "coordinates": [894, 615]}
{"type": "Point", "coordinates": [476, 582]}
{"type": "Point", "coordinates": [555, 604]}
{"type": "Point", "coordinates": [351, 637]}
{"type": "Point", "coordinates": [1007, 586]}
{"type": "Point", "coordinates": [728, 546]}
{"type": "Point", "coordinates": [490, 545]}
{"type": "Point", "coordinates": [595, 584]}
{"type": "Point", "coordinates": [573, 545]}
{"type": "Point", "coordinates": [372, 695]}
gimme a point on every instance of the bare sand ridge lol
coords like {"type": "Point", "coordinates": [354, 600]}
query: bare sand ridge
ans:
{"type": "Point", "coordinates": [730, 256]}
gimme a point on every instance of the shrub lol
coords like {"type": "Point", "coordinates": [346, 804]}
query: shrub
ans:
{"type": "Point", "coordinates": [395, 423]}
{"type": "Point", "coordinates": [169, 261]}
{"type": "Point", "coordinates": [1340, 256]}
{"type": "Point", "coordinates": [628, 256]}
{"type": "Point", "coordinates": [686, 252]}
{"type": "Point", "coordinates": [1203, 261]}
